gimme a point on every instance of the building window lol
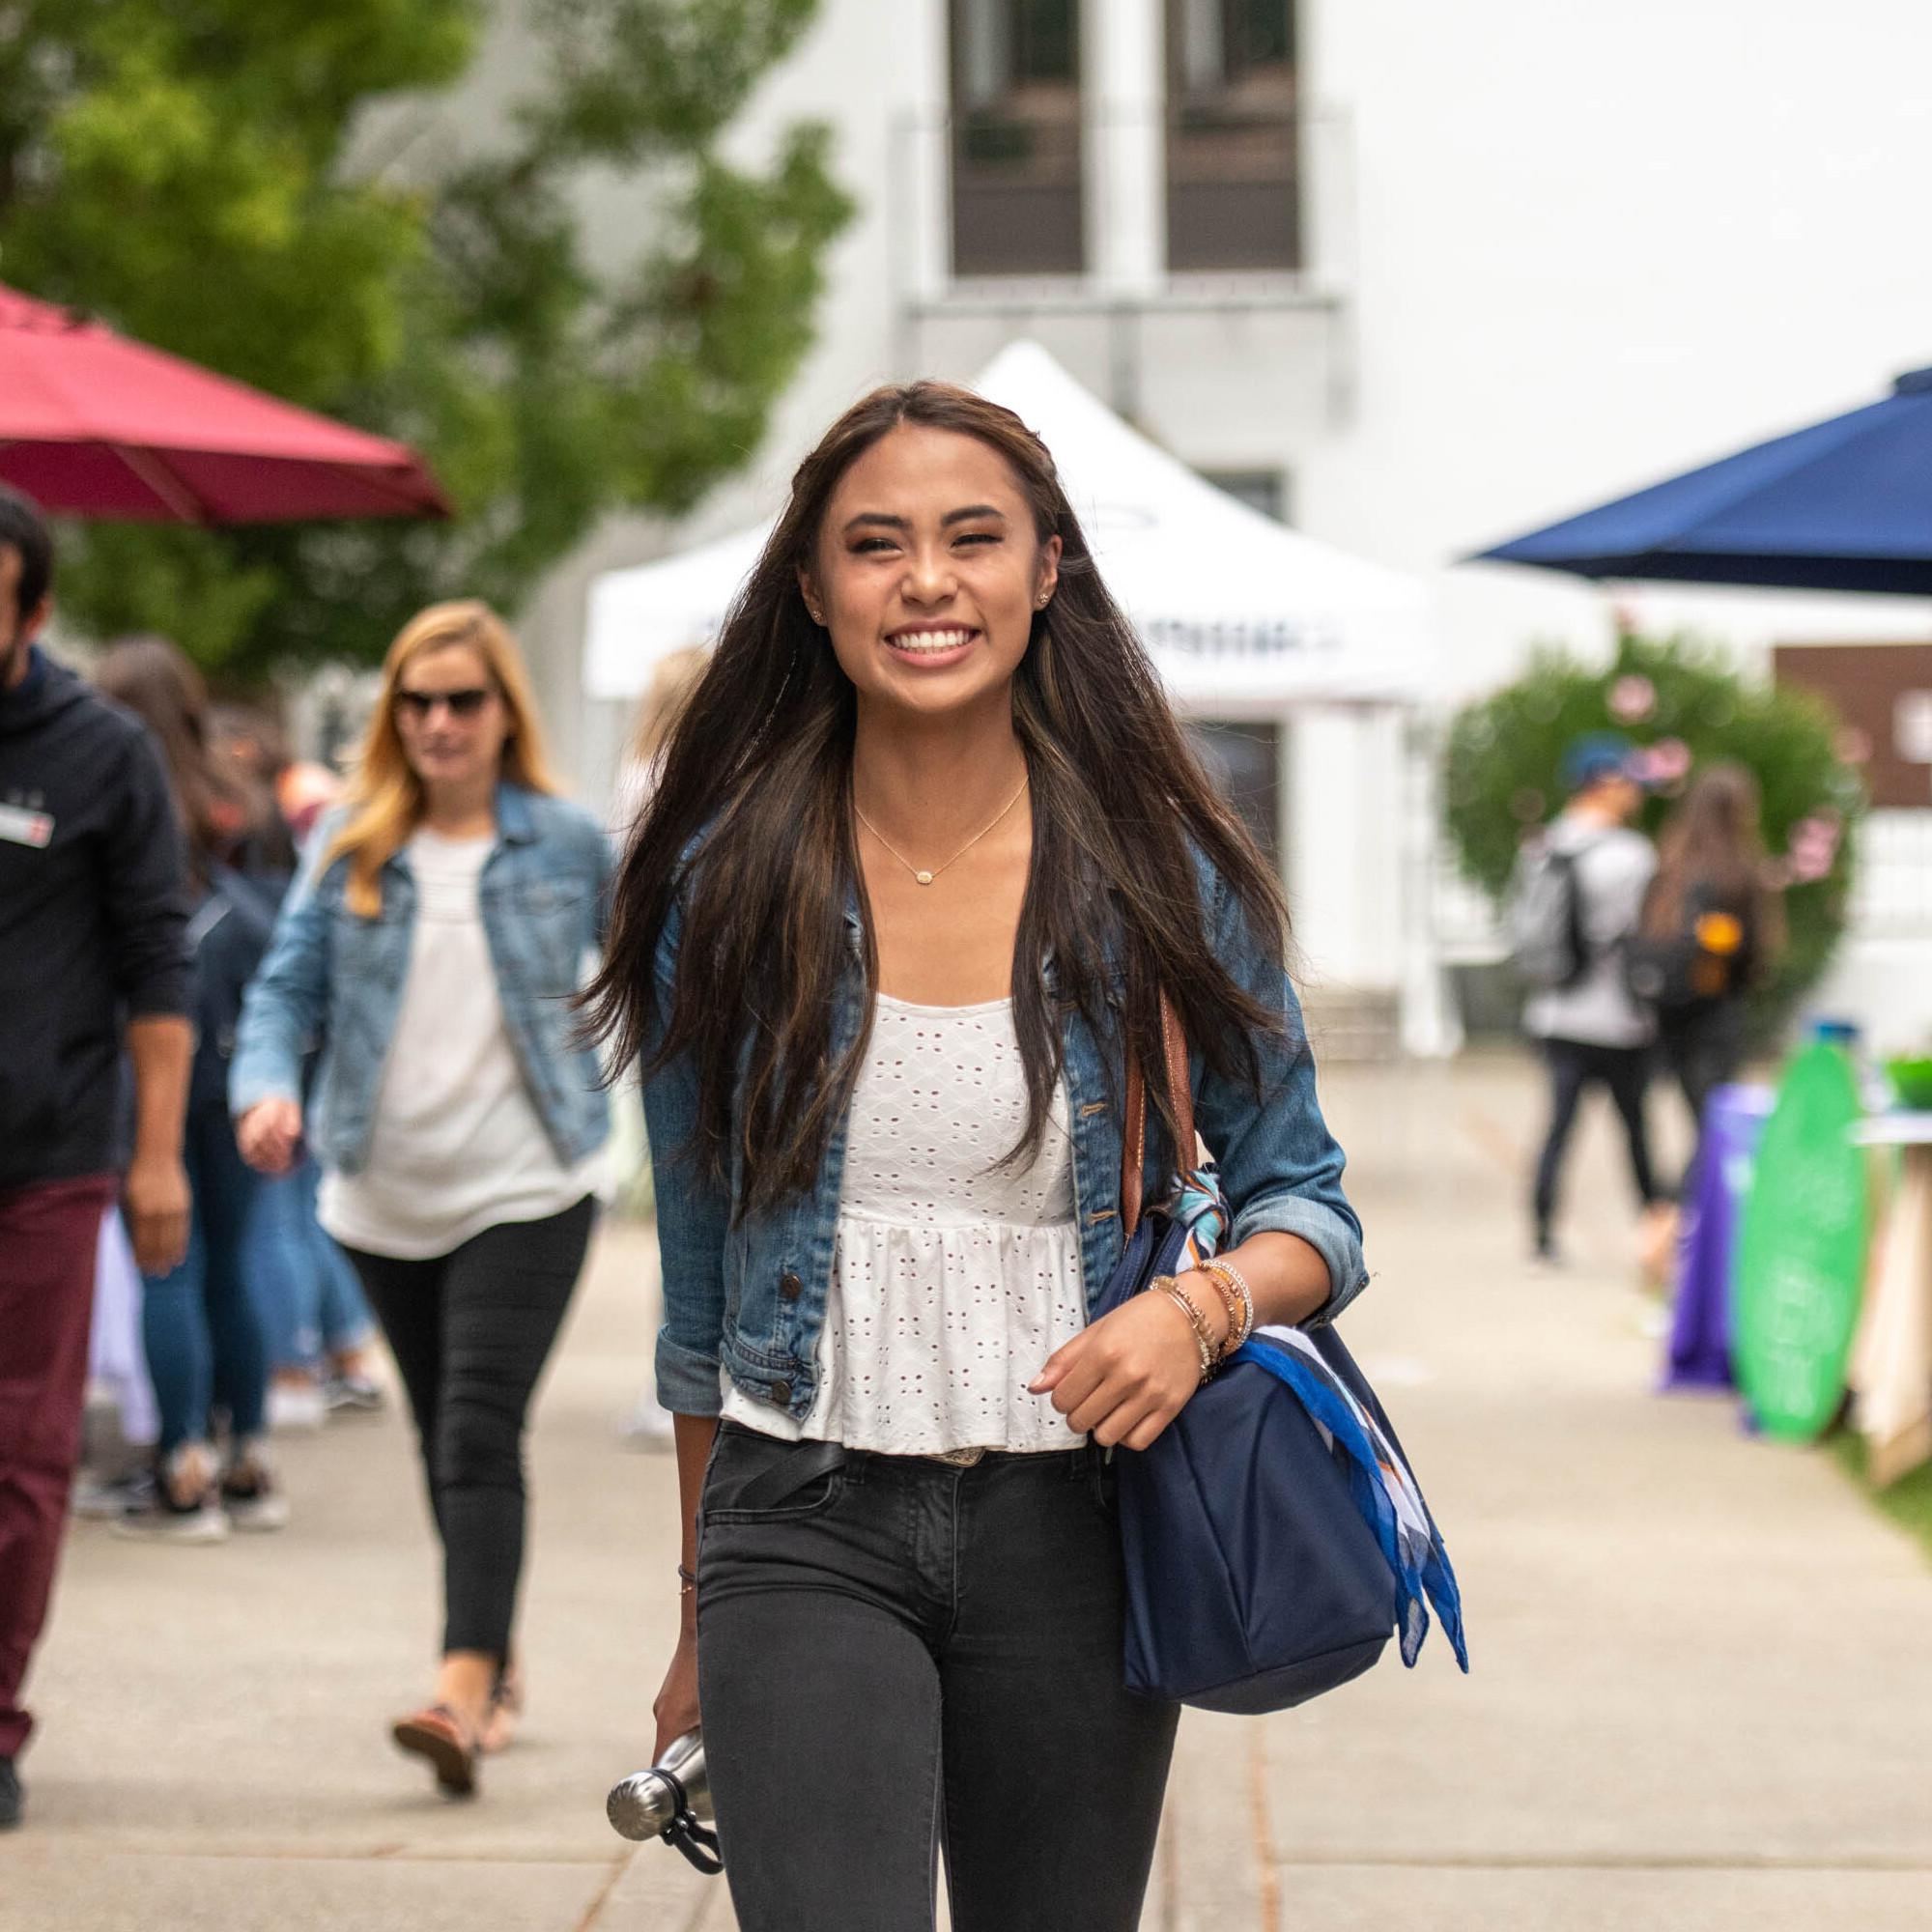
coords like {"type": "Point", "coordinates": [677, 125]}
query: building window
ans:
{"type": "Point", "coordinates": [1244, 761]}
{"type": "Point", "coordinates": [1233, 191]}
{"type": "Point", "coordinates": [1264, 489]}
{"type": "Point", "coordinates": [1016, 163]}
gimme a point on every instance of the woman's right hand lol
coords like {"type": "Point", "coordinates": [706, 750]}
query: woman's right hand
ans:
{"type": "Point", "coordinates": [676, 1707]}
{"type": "Point", "coordinates": [269, 1133]}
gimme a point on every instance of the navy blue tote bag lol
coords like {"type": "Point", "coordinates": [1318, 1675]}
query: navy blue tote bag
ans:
{"type": "Point", "coordinates": [1264, 1563]}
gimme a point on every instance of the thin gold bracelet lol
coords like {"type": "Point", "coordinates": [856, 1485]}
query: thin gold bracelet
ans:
{"type": "Point", "coordinates": [1196, 1321]}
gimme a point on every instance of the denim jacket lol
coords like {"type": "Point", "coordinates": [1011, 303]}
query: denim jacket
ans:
{"type": "Point", "coordinates": [750, 1292]}
{"type": "Point", "coordinates": [334, 979]}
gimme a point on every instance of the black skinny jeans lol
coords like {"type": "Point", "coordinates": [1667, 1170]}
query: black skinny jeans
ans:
{"type": "Point", "coordinates": [898, 1658]}
{"type": "Point", "coordinates": [1574, 1065]}
{"type": "Point", "coordinates": [470, 1331]}
{"type": "Point", "coordinates": [1703, 1048]}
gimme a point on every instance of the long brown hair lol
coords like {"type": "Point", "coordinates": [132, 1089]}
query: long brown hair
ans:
{"type": "Point", "coordinates": [384, 797]}
{"type": "Point", "coordinates": [154, 678]}
{"type": "Point", "coordinates": [759, 763]}
{"type": "Point", "coordinates": [1714, 843]}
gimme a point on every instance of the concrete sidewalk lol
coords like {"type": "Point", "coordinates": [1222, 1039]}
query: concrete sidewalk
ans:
{"type": "Point", "coordinates": [1700, 1699]}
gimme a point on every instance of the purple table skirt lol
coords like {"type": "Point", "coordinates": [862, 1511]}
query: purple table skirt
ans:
{"type": "Point", "coordinates": [1700, 1331]}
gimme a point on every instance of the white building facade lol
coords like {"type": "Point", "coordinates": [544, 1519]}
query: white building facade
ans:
{"type": "Point", "coordinates": [1413, 277]}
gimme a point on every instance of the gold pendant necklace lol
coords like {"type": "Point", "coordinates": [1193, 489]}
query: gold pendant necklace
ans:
{"type": "Point", "coordinates": [925, 878]}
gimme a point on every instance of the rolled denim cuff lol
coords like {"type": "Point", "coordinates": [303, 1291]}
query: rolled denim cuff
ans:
{"type": "Point", "coordinates": [247, 1086]}
{"type": "Point", "coordinates": [686, 1378]}
{"type": "Point", "coordinates": [1325, 1230]}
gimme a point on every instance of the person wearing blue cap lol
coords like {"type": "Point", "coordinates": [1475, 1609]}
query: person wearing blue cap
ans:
{"type": "Point", "coordinates": [1592, 1029]}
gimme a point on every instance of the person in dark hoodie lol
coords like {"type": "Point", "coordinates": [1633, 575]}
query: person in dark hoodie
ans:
{"type": "Point", "coordinates": [93, 961]}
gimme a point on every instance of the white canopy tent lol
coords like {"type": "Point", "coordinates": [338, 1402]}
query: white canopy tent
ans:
{"type": "Point", "coordinates": [1235, 608]}
{"type": "Point", "coordinates": [1245, 618]}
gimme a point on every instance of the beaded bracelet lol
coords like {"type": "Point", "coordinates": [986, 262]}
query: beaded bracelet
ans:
{"type": "Point", "coordinates": [1196, 1321]}
{"type": "Point", "coordinates": [686, 1581]}
{"type": "Point", "coordinates": [1233, 1283]}
{"type": "Point", "coordinates": [1231, 1307]}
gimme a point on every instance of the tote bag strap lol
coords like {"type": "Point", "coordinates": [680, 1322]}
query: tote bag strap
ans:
{"type": "Point", "coordinates": [1133, 1143]}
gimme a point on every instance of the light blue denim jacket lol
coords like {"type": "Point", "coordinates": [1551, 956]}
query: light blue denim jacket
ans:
{"type": "Point", "coordinates": [750, 1293]}
{"type": "Point", "coordinates": [334, 980]}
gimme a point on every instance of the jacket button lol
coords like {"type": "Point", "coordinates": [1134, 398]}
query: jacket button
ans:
{"type": "Point", "coordinates": [781, 1393]}
{"type": "Point", "coordinates": [789, 1285]}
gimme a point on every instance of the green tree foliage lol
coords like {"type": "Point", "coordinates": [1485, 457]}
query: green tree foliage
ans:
{"type": "Point", "coordinates": [1686, 706]}
{"type": "Point", "coordinates": [276, 189]}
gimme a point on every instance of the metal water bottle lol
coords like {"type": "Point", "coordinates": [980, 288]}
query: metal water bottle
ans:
{"type": "Point", "coordinates": [671, 1801]}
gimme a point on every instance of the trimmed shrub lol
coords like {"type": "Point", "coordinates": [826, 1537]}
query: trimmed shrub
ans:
{"type": "Point", "coordinates": [1682, 704]}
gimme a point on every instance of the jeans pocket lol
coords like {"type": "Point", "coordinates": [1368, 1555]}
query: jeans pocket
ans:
{"type": "Point", "coordinates": [755, 1479]}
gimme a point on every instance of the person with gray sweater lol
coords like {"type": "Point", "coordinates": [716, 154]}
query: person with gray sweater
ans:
{"type": "Point", "coordinates": [1593, 1031]}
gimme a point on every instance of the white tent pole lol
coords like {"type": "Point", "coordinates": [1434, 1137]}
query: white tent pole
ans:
{"type": "Point", "coordinates": [1432, 1027]}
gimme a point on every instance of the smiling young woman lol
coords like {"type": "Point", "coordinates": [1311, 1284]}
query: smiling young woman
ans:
{"type": "Point", "coordinates": [924, 850]}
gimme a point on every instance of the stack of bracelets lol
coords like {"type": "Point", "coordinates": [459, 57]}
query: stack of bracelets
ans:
{"type": "Point", "coordinates": [1237, 1300]}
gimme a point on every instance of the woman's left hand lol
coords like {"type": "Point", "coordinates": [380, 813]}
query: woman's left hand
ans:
{"type": "Point", "coordinates": [1125, 1378]}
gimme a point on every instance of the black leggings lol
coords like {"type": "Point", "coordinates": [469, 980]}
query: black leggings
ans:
{"type": "Point", "coordinates": [1703, 1048]}
{"type": "Point", "coordinates": [1574, 1065]}
{"type": "Point", "coordinates": [469, 1331]}
{"type": "Point", "coordinates": [898, 1658]}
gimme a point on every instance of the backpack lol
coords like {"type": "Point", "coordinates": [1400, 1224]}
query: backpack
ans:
{"type": "Point", "coordinates": [1691, 967]}
{"type": "Point", "coordinates": [1544, 919]}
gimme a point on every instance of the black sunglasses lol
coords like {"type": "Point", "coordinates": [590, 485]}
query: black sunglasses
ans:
{"type": "Point", "coordinates": [462, 703]}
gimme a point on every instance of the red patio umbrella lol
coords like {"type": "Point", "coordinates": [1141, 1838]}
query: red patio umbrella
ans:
{"type": "Point", "coordinates": [95, 425]}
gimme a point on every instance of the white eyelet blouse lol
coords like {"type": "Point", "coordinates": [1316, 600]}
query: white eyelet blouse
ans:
{"type": "Point", "coordinates": [953, 1279]}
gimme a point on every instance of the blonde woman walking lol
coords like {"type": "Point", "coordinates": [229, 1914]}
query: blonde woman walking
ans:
{"type": "Point", "coordinates": [433, 941]}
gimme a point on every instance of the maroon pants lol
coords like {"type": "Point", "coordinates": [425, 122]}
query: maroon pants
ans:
{"type": "Point", "coordinates": [48, 1238]}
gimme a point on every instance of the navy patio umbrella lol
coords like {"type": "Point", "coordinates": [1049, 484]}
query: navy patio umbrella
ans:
{"type": "Point", "coordinates": [1843, 505]}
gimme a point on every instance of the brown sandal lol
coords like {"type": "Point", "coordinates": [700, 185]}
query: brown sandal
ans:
{"type": "Point", "coordinates": [436, 1734]}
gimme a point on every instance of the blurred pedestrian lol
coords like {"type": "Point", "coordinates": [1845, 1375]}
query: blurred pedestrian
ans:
{"type": "Point", "coordinates": [200, 1325]}
{"type": "Point", "coordinates": [93, 961]}
{"type": "Point", "coordinates": [673, 679]}
{"type": "Point", "coordinates": [1593, 1030]}
{"type": "Point", "coordinates": [927, 842]}
{"type": "Point", "coordinates": [254, 756]}
{"type": "Point", "coordinates": [433, 942]}
{"type": "Point", "coordinates": [317, 1323]}
{"type": "Point", "coordinates": [1712, 931]}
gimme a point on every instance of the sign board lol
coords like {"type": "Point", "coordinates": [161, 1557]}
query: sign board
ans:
{"type": "Point", "coordinates": [1801, 1251]}
{"type": "Point", "coordinates": [1873, 688]}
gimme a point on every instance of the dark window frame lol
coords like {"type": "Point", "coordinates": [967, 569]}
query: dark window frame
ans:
{"type": "Point", "coordinates": [1247, 759]}
{"type": "Point", "coordinates": [1266, 488]}
{"type": "Point", "coordinates": [1231, 165]}
{"type": "Point", "coordinates": [1018, 191]}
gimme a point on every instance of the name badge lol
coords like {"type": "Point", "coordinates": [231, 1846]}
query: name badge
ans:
{"type": "Point", "coordinates": [20, 827]}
